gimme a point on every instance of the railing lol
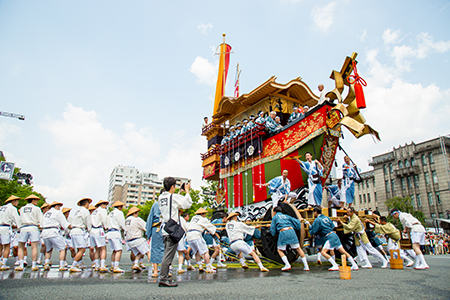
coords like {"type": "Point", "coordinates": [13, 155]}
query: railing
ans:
{"type": "Point", "coordinates": [406, 171]}
{"type": "Point", "coordinates": [256, 132]}
{"type": "Point", "coordinates": [208, 128]}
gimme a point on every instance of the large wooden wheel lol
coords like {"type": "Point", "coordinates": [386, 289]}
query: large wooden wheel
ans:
{"type": "Point", "coordinates": [268, 246]}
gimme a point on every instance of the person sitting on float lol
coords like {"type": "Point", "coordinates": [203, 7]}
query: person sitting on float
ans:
{"type": "Point", "coordinates": [261, 119]}
{"type": "Point", "coordinates": [251, 123]}
{"type": "Point", "coordinates": [245, 127]}
{"type": "Point", "coordinates": [305, 109]}
{"type": "Point", "coordinates": [238, 129]}
{"type": "Point", "coordinates": [295, 115]}
{"type": "Point", "coordinates": [271, 125]}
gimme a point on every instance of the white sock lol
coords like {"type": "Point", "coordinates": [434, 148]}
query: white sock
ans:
{"type": "Point", "coordinates": [33, 264]}
{"type": "Point", "coordinates": [25, 258]}
{"type": "Point", "coordinates": [188, 263]}
{"type": "Point", "coordinates": [260, 265]}
{"type": "Point", "coordinates": [141, 260]}
{"type": "Point", "coordinates": [16, 257]}
{"type": "Point", "coordinates": [211, 260]}
{"type": "Point", "coordinates": [305, 262]}
{"type": "Point", "coordinates": [334, 257]}
{"type": "Point", "coordinates": [285, 260]}
{"type": "Point", "coordinates": [21, 263]}
{"type": "Point", "coordinates": [46, 261]}
{"type": "Point", "coordinates": [422, 259]}
{"type": "Point", "coordinates": [199, 263]}
{"type": "Point", "coordinates": [5, 260]}
{"type": "Point", "coordinates": [41, 256]}
{"type": "Point", "coordinates": [180, 267]}
{"type": "Point", "coordinates": [136, 261]}
{"type": "Point", "coordinates": [61, 263]}
{"type": "Point", "coordinates": [96, 263]}
{"type": "Point", "coordinates": [102, 263]}
{"type": "Point", "coordinates": [352, 261]}
{"type": "Point", "coordinates": [242, 261]}
{"type": "Point", "coordinates": [319, 256]}
{"type": "Point", "coordinates": [333, 262]}
{"type": "Point", "coordinates": [117, 264]}
{"type": "Point", "coordinates": [74, 263]}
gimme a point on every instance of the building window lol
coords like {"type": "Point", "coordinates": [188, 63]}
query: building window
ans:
{"type": "Point", "coordinates": [373, 182]}
{"type": "Point", "coordinates": [406, 163]}
{"type": "Point", "coordinates": [385, 169]}
{"type": "Point", "coordinates": [430, 158]}
{"type": "Point", "coordinates": [367, 183]}
{"type": "Point", "coordinates": [391, 169]}
{"type": "Point", "coordinates": [441, 215]}
{"type": "Point", "coordinates": [434, 175]}
{"type": "Point", "coordinates": [400, 164]}
{"type": "Point", "coordinates": [410, 182]}
{"type": "Point", "coordinates": [413, 161]}
{"type": "Point", "coordinates": [416, 180]}
{"type": "Point", "coordinates": [430, 199]}
{"type": "Point", "coordinates": [364, 196]}
{"type": "Point", "coordinates": [393, 184]}
{"type": "Point", "coordinates": [433, 215]}
{"type": "Point", "coordinates": [419, 201]}
{"type": "Point", "coordinates": [368, 198]}
{"type": "Point", "coordinates": [412, 200]}
{"type": "Point", "coordinates": [375, 194]}
{"type": "Point", "coordinates": [438, 197]}
{"type": "Point", "coordinates": [360, 199]}
{"type": "Point", "coordinates": [403, 183]}
{"type": "Point", "coordinates": [427, 178]}
{"type": "Point", "coordinates": [387, 186]}
{"type": "Point", "coordinates": [424, 160]}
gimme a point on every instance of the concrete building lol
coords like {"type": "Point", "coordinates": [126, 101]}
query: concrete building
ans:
{"type": "Point", "coordinates": [421, 171]}
{"type": "Point", "coordinates": [132, 187]}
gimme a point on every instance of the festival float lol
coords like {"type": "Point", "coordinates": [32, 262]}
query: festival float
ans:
{"type": "Point", "coordinates": [245, 162]}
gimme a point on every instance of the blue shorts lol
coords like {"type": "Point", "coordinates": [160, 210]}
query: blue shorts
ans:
{"type": "Point", "coordinates": [332, 242]}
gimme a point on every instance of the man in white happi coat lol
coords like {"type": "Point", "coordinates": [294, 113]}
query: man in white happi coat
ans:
{"type": "Point", "coordinates": [97, 238]}
{"type": "Point", "coordinates": [9, 218]}
{"type": "Point", "coordinates": [134, 232]}
{"type": "Point", "coordinates": [116, 225]}
{"type": "Point", "coordinates": [170, 205]}
{"type": "Point", "coordinates": [195, 228]}
{"type": "Point", "coordinates": [416, 231]}
{"type": "Point", "coordinates": [30, 219]}
{"type": "Point", "coordinates": [80, 218]}
{"type": "Point", "coordinates": [52, 222]}
{"type": "Point", "coordinates": [235, 232]}
{"type": "Point", "coordinates": [44, 208]}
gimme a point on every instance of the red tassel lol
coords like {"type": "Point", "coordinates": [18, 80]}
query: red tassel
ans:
{"type": "Point", "coordinates": [359, 93]}
{"type": "Point", "coordinates": [358, 82]}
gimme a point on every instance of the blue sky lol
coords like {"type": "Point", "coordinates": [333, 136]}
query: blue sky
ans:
{"type": "Point", "coordinates": [128, 82]}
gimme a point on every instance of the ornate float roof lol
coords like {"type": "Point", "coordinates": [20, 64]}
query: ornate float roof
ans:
{"type": "Point", "coordinates": [295, 90]}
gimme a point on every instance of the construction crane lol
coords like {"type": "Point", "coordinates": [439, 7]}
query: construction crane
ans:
{"type": "Point", "coordinates": [11, 115]}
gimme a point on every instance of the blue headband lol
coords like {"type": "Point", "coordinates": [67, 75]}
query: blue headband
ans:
{"type": "Point", "coordinates": [394, 212]}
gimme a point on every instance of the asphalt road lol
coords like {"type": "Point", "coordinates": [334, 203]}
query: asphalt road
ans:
{"type": "Point", "coordinates": [236, 283]}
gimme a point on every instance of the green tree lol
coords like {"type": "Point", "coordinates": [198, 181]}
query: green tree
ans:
{"type": "Point", "coordinates": [209, 192]}
{"type": "Point", "coordinates": [14, 187]}
{"type": "Point", "coordinates": [403, 205]}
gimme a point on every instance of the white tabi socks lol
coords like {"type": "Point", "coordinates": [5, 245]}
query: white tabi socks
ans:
{"type": "Point", "coordinates": [353, 262]}
{"type": "Point", "coordinates": [287, 265]}
{"type": "Point", "coordinates": [305, 264]}
{"type": "Point", "coordinates": [335, 266]}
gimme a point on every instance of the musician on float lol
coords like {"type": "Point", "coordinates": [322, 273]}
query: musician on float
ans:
{"type": "Point", "coordinates": [334, 195]}
{"type": "Point", "coordinates": [295, 115]}
{"type": "Point", "coordinates": [271, 125]}
{"type": "Point", "coordinates": [314, 169]}
{"type": "Point", "coordinates": [261, 119]}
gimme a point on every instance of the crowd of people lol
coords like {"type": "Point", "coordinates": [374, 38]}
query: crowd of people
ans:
{"type": "Point", "coordinates": [436, 244]}
{"type": "Point", "coordinates": [89, 227]}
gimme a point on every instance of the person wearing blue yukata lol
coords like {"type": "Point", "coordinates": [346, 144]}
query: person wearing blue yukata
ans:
{"type": "Point", "coordinates": [349, 176]}
{"type": "Point", "coordinates": [314, 169]}
{"type": "Point", "coordinates": [334, 195]}
{"type": "Point", "coordinates": [295, 115]}
{"type": "Point", "coordinates": [154, 234]}
{"type": "Point", "coordinates": [231, 133]}
{"type": "Point", "coordinates": [279, 187]}
{"type": "Point", "coordinates": [261, 119]}
{"type": "Point", "coordinates": [285, 226]}
{"type": "Point", "coordinates": [245, 127]}
{"type": "Point", "coordinates": [271, 125]}
{"type": "Point", "coordinates": [225, 139]}
{"type": "Point", "coordinates": [323, 226]}
{"type": "Point", "coordinates": [237, 130]}
{"type": "Point", "coordinates": [251, 122]}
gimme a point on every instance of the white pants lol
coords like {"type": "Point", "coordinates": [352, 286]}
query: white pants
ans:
{"type": "Point", "coordinates": [33, 236]}
{"type": "Point", "coordinates": [56, 242]}
{"type": "Point", "coordinates": [142, 249]}
{"type": "Point", "coordinates": [293, 246]}
{"type": "Point", "coordinates": [363, 249]}
{"type": "Point", "coordinates": [97, 241]}
{"type": "Point", "coordinates": [394, 246]}
{"type": "Point", "coordinates": [5, 239]}
{"type": "Point", "coordinates": [79, 241]}
{"type": "Point", "coordinates": [241, 246]}
{"type": "Point", "coordinates": [115, 244]}
{"type": "Point", "coordinates": [198, 245]}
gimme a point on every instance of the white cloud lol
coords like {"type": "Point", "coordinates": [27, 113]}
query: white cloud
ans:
{"type": "Point", "coordinates": [425, 45]}
{"type": "Point", "coordinates": [205, 28]}
{"type": "Point", "coordinates": [87, 152]}
{"type": "Point", "coordinates": [363, 36]}
{"type": "Point", "coordinates": [323, 16]}
{"type": "Point", "coordinates": [390, 37]}
{"type": "Point", "coordinates": [205, 70]}
{"type": "Point", "coordinates": [7, 129]}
